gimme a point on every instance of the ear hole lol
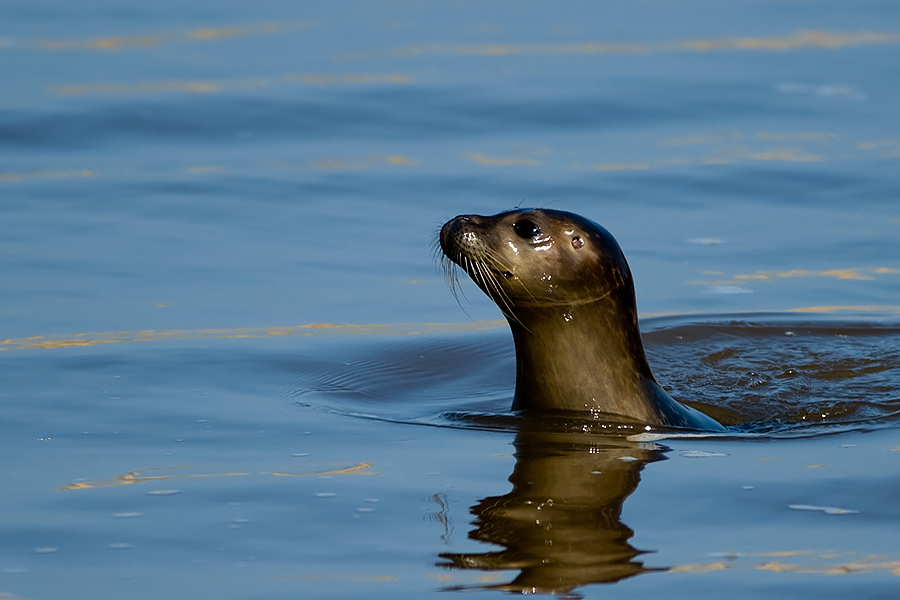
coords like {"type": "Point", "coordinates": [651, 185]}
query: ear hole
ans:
{"type": "Point", "coordinates": [577, 242]}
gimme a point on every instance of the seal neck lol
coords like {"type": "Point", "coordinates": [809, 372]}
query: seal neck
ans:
{"type": "Point", "coordinates": [590, 358]}
{"type": "Point", "coordinates": [583, 357]}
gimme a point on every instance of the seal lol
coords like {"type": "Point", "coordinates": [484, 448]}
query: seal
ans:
{"type": "Point", "coordinates": [564, 286]}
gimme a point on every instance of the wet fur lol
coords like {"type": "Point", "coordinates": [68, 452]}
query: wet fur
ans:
{"type": "Point", "coordinates": [568, 296]}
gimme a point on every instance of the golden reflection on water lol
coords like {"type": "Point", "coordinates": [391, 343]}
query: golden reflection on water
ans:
{"type": "Point", "coordinates": [695, 568]}
{"type": "Point", "coordinates": [560, 527]}
{"type": "Point", "coordinates": [721, 149]}
{"type": "Point", "coordinates": [322, 329]}
{"type": "Point", "coordinates": [863, 565]}
{"type": "Point", "coordinates": [133, 477]}
{"type": "Point", "coordinates": [311, 329]}
{"type": "Point", "coordinates": [785, 154]}
{"type": "Point", "coordinates": [721, 153]}
{"type": "Point", "coordinates": [214, 86]}
{"type": "Point", "coordinates": [358, 468]}
{"type": "Point", "coordinates": [150, 41]}
{"type": "Point", "coordinates": [833, 309]}
{"type": "Point", "coordinates": [886, 148]}
{"type": "Point", "coordinates": [800, 40]}
{"type": "Point", "coordinates": [855, 274]}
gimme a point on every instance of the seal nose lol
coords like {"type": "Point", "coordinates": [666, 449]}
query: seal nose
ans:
{"type": "Point", "coordinates": [456, 233]}
{"type": "Point", "coordinates": [447, 232]}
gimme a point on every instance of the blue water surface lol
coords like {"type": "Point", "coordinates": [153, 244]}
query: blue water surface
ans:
{"type": "Point", "coordinates": [185, 185]}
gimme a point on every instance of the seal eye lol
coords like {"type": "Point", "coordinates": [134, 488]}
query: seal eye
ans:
{"type": "Point", "coordinates": [526, 229]}
{"type": "Point", "coordinates": [577, 242]}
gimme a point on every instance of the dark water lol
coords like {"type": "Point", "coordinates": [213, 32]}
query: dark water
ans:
{"type": "Point", "coordinates": [781, 377]}
{"type": "Point", "coordinates": [184, 186]}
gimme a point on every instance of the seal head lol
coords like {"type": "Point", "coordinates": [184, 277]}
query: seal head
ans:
{"type": "Point", "coordinates": [564, 286]}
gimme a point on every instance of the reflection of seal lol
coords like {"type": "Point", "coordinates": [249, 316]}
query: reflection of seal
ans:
{"type": "Point", "coordinates": [564, 286]}
{"type": "Point", "coordinates": [561, 524]}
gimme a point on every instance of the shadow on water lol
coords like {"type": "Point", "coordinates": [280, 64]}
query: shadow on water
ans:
{"type": "Point", "coordinates": [560, 527]}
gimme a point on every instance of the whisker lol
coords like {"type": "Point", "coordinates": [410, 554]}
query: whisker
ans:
{"type": "Point", "coordinates": [484, 266]}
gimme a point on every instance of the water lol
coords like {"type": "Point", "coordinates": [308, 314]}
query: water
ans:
{"type": "Point", "coordinates": [185, 186]}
